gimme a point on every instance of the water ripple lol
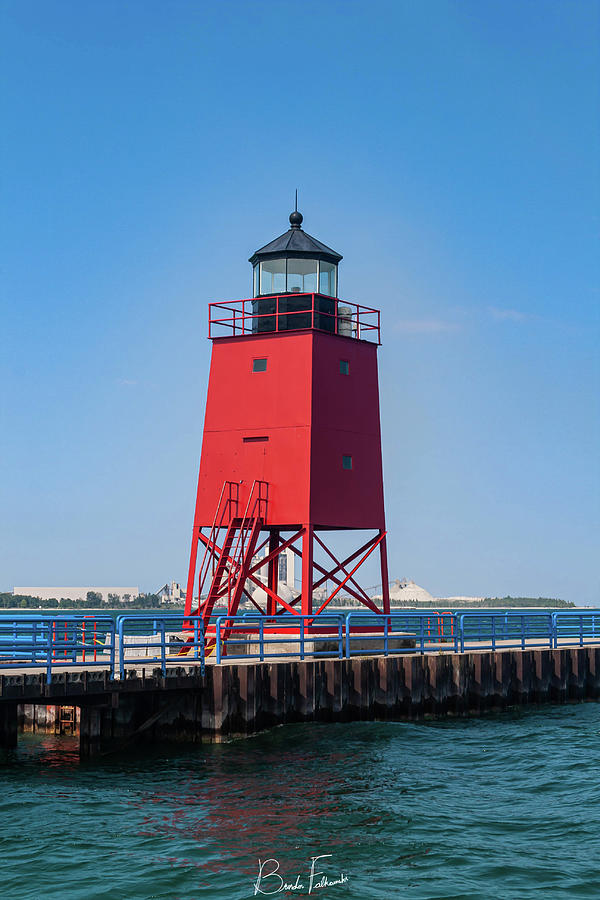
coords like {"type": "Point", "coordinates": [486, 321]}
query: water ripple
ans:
{"type": "Point", "coordinates": [505, 807]}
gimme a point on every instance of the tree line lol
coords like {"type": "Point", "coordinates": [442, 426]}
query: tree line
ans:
{"type": "Point", "coordinates": [93, 600]}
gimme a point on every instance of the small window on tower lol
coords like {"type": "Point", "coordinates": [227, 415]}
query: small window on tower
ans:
{"type": "Point", "coordinates": [344, 367]}
{"type": "Point", "coordinates": [346, 462]}
{"type": "Point", "coordinates": [259, 365]}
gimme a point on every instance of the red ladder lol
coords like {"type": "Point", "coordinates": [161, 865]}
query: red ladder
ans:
{"type": "Point", "coordinates": [234, 558]}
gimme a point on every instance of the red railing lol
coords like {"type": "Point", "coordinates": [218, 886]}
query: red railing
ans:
{"type": "Point", "coordinates": [238, 317]}
{"type": "Point", "coordinates": [256, 508]}
{"type": "Point", "coordinates": [227, 508]}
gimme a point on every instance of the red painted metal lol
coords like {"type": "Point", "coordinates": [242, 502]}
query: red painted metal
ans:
{"type": "Point", "coordinates": [276, 441]}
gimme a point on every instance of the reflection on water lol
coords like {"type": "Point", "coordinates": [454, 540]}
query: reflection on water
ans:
{"type": "Point", "coordinates": [502, 807]}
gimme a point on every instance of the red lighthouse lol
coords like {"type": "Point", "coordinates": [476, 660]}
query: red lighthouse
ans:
{"type": "Point", "coordinates": [291, 451]}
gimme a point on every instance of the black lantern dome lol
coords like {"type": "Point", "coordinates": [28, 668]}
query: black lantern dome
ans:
{"type": "Point", "coordinates": [295, 263]}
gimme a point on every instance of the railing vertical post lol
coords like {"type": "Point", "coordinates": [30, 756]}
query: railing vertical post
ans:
{"type": "Point", "coordinates": [340, 639]}
{"type": "Point", "coordinates": [218, 639]}
{"type": "Point", "coordinates": [163, 646]}
{"type": "Point", "coordinates": [462, 633]}
{"type": "Point", "coordinates": [49, 655]}
{"type": "Point", "coordinates": [302, 623]}
{"type": "Point", "coordinates": [261, 639]}
{"type": "Point", "coordinates": [348, 648]}
{"type": "Point", "coordinates": [111, 653]}
{"type": "Point", "coordinates": [581, 631]}
{"type": "Point", "coordinates": [386, 629]}
{"type": "Point", "coordinates": [121, 650]}
{"type": "Point", "coordinates": [522, 632]}
{"type": "Point", "coordinates": [493, 632]}
{"type": "Point", "coordinates": [422, 634]}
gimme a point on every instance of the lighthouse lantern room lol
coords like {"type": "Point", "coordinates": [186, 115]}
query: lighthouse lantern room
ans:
{"type": "Point", "coordinates": [291, 451]}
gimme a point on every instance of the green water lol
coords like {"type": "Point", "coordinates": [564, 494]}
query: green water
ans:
{"type": "Point", "coordinates": [504, 806]}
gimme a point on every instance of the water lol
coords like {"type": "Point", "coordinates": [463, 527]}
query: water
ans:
{"type": "Point", "coordinates": [504, 806]}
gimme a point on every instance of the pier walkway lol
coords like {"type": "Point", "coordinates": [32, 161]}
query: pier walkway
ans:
{"type": "Point", "coordinates": [166, 677]}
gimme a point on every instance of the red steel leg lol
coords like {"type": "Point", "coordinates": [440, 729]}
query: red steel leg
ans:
{"type": "Point", "coordinates": [307, 571]}
{"type": "Point", "coordinates": [273, 571]}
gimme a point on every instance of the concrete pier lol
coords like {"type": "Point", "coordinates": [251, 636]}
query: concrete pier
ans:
{"type": "Point", "coordinates": [231, 700]}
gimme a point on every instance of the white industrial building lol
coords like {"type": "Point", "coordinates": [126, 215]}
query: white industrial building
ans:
{"type": "Point", "coordinates": [286, 575]}
{"type": "Point", "coordinates": [171, 593]}
{"type": "Point", "coordinates": [126, 594]}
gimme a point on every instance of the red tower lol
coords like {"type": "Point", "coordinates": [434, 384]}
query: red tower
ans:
{"type": "Point", "coordinates": [291, 451]}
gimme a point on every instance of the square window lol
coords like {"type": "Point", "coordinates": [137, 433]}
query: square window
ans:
{"type": "Point", "coordinates": [346, 462]}
{"type": "Point", "coordinates": [259, 365]}
{"type": "Point", "coordinates": [344, 367]}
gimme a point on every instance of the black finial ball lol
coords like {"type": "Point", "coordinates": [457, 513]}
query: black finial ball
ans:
{"type": "Point", "coordinates": [296, 219]}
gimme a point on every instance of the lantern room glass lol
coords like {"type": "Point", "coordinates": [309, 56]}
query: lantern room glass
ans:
{"type": "Point", "coordinates": [295, 276]}
{"type": "Point", "coordinates": [272, 276]}
{"type": "Point", "coordinates": [302, 276]}
{"type": "Point", "coordinates": [327, 279]}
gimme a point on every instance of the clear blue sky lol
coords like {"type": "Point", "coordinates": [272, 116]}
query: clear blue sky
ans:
{"type": "Point", "coordinates": [450, 151]}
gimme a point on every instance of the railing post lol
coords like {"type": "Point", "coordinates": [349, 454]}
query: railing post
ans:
{"type": "Point", "coordinates": [121, 649]}
{"type": "Point", "coordinates": [422, 634]}
{"type": "Point", "coordinates": [49, 658]}
{"type": "Point", "coordinates": [261, 639]}
{"type": "Point", "coordinates": [386, 628]}
{"type": "Point", "coordinates": [218, 639]}
{"type": "Point", "coordinates": [163, 645]}
{"type": "Point", "coordinates": [340, 639]}
{"type": "Point", "coordinates": [202, 634]}
{"type": "Point", "coordinates": [301, 637]}
{"type": "Point", "coordinates": [348, 649]}
{"type": "Point", "coordinates": [493, 632]}
{"type": "Point", "coordinates": [111, 653]}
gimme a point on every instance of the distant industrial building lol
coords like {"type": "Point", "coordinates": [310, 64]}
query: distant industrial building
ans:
{"type": "Point", "coordinates": [171, 593]}
{"type": "Point", "coordinates": [107, 594]}
{"type": "Point", "coordinates": [286, 577]}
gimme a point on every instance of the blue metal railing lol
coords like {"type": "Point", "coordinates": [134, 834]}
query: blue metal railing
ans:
{"type": "Point", "coordinates": [53, 642]}
{"type": "Point", "coordinates": [162, 638]}
{"type": "Point", "coordinates": [256, 634]}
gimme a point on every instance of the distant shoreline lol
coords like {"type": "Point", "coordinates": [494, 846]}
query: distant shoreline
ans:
{"type": "Point", "coordinates": [166, 610]}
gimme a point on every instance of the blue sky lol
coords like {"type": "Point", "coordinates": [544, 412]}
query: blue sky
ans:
{"type": "Point", "coordinates": [448, 149]}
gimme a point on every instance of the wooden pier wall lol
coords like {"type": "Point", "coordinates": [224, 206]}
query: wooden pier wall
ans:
{"type": "Point", "coordinates": [242, 699]}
